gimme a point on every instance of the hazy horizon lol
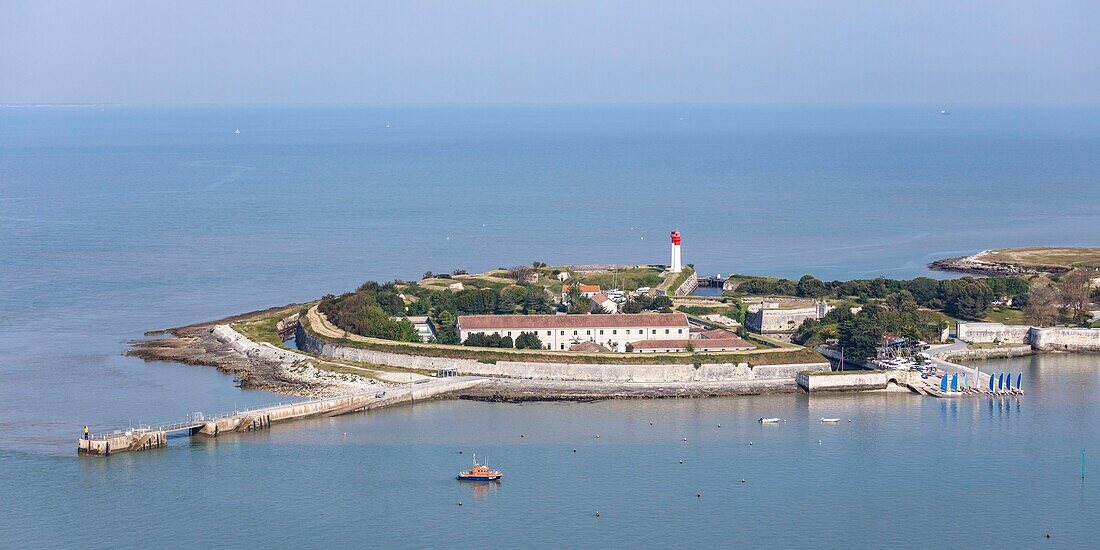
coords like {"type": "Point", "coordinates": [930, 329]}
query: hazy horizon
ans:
{"type": "Point", "coordinates": [434, 52]}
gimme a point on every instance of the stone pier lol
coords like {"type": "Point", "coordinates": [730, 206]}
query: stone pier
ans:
{"type": "Point", "coordinates": [140, 439]}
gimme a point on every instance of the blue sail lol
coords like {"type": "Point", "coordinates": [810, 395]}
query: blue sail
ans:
{"type": "Point", "coordinates": [955, 382]}
{"type": "Point", "coordinates": [991, 383]}
{"type": "Point", "coordinates": [1001, 382]}
{"type": "Point", "coordinates": [943, 383]}
{"type": "Point", "coordinates": [965, 383]}
{"type": "Point", "coordinates": [1019, 378]}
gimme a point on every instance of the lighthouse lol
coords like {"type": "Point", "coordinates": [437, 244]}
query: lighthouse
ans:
{"type": "Point", "coordinates": [675, 266]}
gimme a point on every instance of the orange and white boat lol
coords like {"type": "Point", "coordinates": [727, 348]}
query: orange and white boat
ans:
{"type": "Point", "coordinates": [479, 473]}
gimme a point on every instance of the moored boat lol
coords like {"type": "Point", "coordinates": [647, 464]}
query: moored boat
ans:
{"type": "Point", "coordinates": [479, 473]}
{"type": "Point", "coordinates": [769, 420]}
{"type": "Point", "coordinates": [830, 420]}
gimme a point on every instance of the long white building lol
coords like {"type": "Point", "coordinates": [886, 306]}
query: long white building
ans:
{"type": "Point", "coordinates": [559, 332]}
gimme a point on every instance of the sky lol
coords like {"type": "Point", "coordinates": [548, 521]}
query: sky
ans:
{"type": "Point", "coordinates": [524, 52]}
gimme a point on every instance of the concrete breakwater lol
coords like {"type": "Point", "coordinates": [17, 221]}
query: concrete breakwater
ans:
{"type": "Point", "coordinates": [709, 372]}
{"type": "Point", "coordinates": [144, 438]}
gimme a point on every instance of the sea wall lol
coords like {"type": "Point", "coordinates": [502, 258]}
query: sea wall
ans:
{"type": "Point", "coordinates": [1041, 339]}
{"type": "Point", "coordinates": [710, 372]}
{"type": "Point", "coordinates": [987, 333]}
{"type": "Point", "coordinates": [1065, 339]}
{"type": "Point", "coordinates": [989, 353]}
{"type": "Point", "coordinates": [843, 381]}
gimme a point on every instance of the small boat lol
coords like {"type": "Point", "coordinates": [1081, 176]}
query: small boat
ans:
{"type": "Point", "coordinates": [237, 131]}
{"type": "Point", "coordinates": [830, 420]}
{"type": "Point", "coordinates": [769, 420]}
{"type": "Point", "coordinates": [479, 473]}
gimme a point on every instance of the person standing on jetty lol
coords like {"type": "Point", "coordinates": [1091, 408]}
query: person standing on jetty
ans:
{"type": "Point", "coordinates": [85, 432]}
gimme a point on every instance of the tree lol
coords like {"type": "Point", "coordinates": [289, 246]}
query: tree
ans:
{"type": "Point", "coordinates": [860, 336]}
{"type": "Point", "coordinates": [528, 340]}
{"type": "Point", "coordinates": [925, 291]}
{"type": "Point", "coordinates": [1074, 290]}
{"type": "Point", "coordinates": [810, 287]}
{"type": "Point", "coordinates": [580, 304]}
{"type": "Point", "coordinates": [1042, 305]}
{"type": "Point", "coordinates": [445, 328]}
{"type": "Point", "coordinates": [966, 298]}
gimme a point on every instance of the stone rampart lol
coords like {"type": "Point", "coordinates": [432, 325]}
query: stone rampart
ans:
{"type": "Point", "coordinates": [707, 372]}
{"type": "Point", "coordinates": [1041, 339]}
{"type": "Point", "coordinates": [987, 333]}
{"type": "Point", "coordinates": [1065, 339]}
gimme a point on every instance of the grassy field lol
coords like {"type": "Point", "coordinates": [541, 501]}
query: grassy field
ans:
{"type": "Point", "coordinates": [625, 279]}
{"type": "Point", "coordinates": [262, 327]}
{"type": "Point", "coordinates": [671, 284]}
{"type": "Point", "coordinates": [1005, 315]}
{"type": "Point", "coordinates": [1044, 256]}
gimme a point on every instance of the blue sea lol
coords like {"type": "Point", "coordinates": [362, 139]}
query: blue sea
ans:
{"type": "Point", "coordinates": [117, 220]}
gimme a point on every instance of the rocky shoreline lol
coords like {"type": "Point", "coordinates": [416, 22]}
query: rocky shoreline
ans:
{"type": "Point", "coordinates": [198, 345]}
{"type": "Point", "coordinates": [971, 265]}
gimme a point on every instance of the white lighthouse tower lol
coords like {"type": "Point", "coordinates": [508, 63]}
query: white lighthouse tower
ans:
{"type": "Point", "coordinates": [675, 267]}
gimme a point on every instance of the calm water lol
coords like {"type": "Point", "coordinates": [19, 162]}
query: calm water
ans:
{"type": "Point", "coordinates": [117, 220]}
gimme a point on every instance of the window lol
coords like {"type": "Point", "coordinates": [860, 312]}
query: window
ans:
{"type": "Point", "coordinates": [588, 333]}
{"type": "Point", "coordinates": [549, 332]}
{"type": "Point", "coordinates": [654, 331]}
{"type": "Point", "coordinates": [666, 331]}
{"type": "Point", "coordinates": [601, 331]}
{"type": "Point", "coordinates": [563, 346]}
{"type": "Point", "coordinates": [563, 333]}
{"type": "Point", "coordinates": [616, 331]}
{"type": "Point", "coordinates": [679, 331]}
{"type": "Point", "coordinates": [574, 333]}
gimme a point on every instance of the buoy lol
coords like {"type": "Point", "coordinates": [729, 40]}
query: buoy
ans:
{"type": "Point", "coordinates": [849, 420]}
{"type": "Point", "coordinates": [685, 439]}
{"type": "Point", "coordinates": [650, 423]}
{"type": "Point", "coordinates": [742, 480]}
{"type": "Point", "coordinates": [819, 442]}
{"type": "Point", "coordinates": [597, 436]}
{"type": "Point", "coordinates": [750, 442]}
{"type": "Point", "coordinates": [574, 450]}
{"type": "Point", "coordinates": [697, 495]}
{"type": "Point", "coordinates": [719, 425]}
{"type": "Point", "coordinates": [597, 513]}
{"type": "Point", "coordinates": [459, 452]}
{"type": "Point", "coordinates": [681, 461]}
{"type": "Point", "coordinates": [460, 503]}
{"type": "Point", "coordinates": [521, 435]}
{"type": "Point", "coordinates": [1048, 535]}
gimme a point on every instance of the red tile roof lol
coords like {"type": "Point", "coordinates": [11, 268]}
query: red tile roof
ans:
{"type": "Point", "coordinates": [583, 287]}
{"type": "Point", "coordinates": [487, 322]}
{"type": "Point", "coordinates": [589, 346]}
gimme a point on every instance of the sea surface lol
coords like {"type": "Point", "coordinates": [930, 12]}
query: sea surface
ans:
{"type": "Point", "coordinates": [117, 220]}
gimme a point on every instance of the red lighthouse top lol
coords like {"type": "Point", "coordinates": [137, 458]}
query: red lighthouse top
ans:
{"type": "Point", "coordinates": [675, 236]}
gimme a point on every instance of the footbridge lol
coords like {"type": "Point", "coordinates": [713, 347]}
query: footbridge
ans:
{"type": "Point", "coordinates": [151, 437]}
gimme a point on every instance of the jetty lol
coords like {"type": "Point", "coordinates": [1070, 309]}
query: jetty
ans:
{"type": "Point", "coordinates": [196, 424]}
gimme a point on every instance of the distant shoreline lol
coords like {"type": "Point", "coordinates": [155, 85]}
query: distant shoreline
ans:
{"type": "Point", "coordinates": [1021, 261]}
